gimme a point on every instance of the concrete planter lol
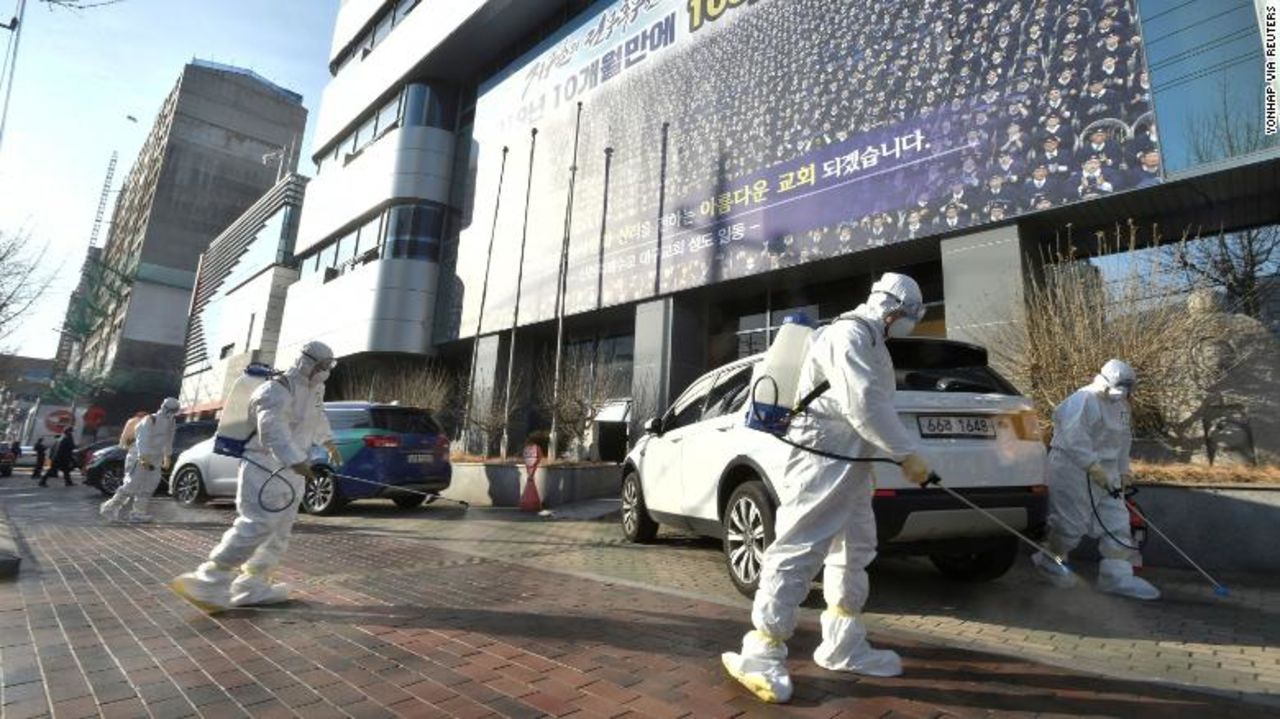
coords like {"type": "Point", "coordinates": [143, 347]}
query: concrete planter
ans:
{"type": "Point", "coordinates": [500, 485]}
{"type": "Point", "coordinates": [1233, 529]}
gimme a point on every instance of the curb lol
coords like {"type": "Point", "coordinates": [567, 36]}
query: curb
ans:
{"type": "Point", "coordinates": [10, 558]}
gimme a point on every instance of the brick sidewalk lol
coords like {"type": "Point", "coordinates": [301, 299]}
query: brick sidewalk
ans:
{"type": "Point", "coordinates": [387, 626]}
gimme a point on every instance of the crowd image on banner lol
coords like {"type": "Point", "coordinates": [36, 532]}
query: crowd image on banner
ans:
{"type": "Point", "coordinates": [910, 119]}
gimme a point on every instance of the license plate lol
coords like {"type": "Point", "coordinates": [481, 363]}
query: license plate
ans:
{"type": "Point", "coordinates": [420, 459]}
{"type": "Point", "coordinates": [956, 426]}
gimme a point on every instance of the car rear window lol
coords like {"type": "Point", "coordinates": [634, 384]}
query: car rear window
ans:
{"type": "Point", "coordinates": [405, 420]}
{"type": "Point", "coordinates": [936, 365]}
{"type": "Point", "coordinates": [186, 436]}
{"type": "Point", "coordinates": [982, 380]}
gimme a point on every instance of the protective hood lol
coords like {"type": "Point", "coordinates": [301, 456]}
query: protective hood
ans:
{"type": "Point", "coordinates": [314, 363]}
{"type": "Point", "coordinates": [169, 407]}
{"type": "Point", "coordinates": [897, 297]}
{"type": "Point", "coordinates": [1118, 379]}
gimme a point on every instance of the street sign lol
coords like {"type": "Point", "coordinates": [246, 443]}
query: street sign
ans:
{"type": "Point", "coordinates": [58, 420]}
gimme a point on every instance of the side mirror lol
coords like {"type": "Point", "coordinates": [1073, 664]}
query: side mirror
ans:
{"type": "Point", "coordinates": [654, 426]}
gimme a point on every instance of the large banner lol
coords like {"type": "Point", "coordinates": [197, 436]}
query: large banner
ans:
{"type": "Point", "coordinates": [716, 139]}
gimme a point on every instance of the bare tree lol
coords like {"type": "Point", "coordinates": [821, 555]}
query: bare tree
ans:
{"type": "Point", "coordinates": [1076, 321]}
{"type": "Point", "coordinates": [585, 387]}
{"type": "Point", "coordinates": [1237, 262]}
{"type": "Point", "coordinates": [415, 384]}
{"type": "Point", "coordinates": [22, 282]}
{"type": "Point", "coordinates": [490, 414]}
{"type": "Point", "coordinates": [79, 4]}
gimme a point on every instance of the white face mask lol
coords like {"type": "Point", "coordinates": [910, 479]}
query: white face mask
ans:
{"type": "Point", "coordinates": [1115, 394]}
{"type": "Point", "coordinates": [902, 327]}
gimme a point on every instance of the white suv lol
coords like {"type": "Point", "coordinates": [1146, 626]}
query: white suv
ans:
{"type": "Point", "coordinates": [699, 467]}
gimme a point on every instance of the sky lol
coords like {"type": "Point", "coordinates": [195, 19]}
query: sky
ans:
{"type": "Point", "coordinates": [81, 73]}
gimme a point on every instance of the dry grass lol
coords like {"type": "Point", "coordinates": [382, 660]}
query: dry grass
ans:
{"type": "Point", "coordinates": [1203, 474]}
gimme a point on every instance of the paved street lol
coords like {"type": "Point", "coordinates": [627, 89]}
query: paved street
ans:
{"type": "Point", "coordinates": [492, 613]}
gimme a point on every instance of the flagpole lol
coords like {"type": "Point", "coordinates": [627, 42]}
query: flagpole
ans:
{"type": "Point", "coordinates": [560, 285]}
{"type": "Point", "coordinates": [484, 293]}
{"type": "Point", "coordinates": [662, 201]}
{"type": "Point", "coordinates": [604, 220]}
{"type": "Point", "coordinates": [515, 315]}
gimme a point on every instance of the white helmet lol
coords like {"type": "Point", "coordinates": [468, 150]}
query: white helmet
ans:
{"type": "Point", "coordinates": [315, 362]}
{"type": "Point", "coordinates": [900, 297]}
{"type": "Point", "coordinates": [1119, 377]}
{"type": "Point", "coordinates": [170, 406]}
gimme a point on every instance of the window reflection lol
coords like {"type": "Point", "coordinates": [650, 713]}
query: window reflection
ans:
{"type": "Point", "coordinates": [1206, 68]}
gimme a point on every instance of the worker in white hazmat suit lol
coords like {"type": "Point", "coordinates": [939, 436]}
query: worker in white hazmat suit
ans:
{"type": "Point", "coordinates": [825, 515]}
{"type": "Point", "coordinates": [289, 411]}
{"type": "Point", "coordinates": [1088, 472]}
{"type": "Point", "coordinates": [148, 454]}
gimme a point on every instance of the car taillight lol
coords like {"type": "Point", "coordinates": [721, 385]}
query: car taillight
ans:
{"type": "Point", "coordinates": [885, 493]}
{"type": "Point", "coordinates": [381, 441]}
{"type": "Point", "coordinates": [1027, 426]}
{"type": "Point", "coordinates": [442, 447]}
{"type": "Point", "coordinates": [1039, 489]}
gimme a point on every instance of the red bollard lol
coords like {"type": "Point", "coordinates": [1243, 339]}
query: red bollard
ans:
{"type": "Point", "coordinates": [529, 499]}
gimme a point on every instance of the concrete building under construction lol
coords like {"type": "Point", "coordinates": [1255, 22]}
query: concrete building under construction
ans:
{"type": "Point", "coordinates": [215, 148]}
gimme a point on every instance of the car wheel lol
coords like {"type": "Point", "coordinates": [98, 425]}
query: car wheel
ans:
{"type": "Point", "coordinates": [112, 478]}
{"type": "Point", "coordinates": [408, 501]}
{"type": "Point", "coordinates": [637, 525]}
{"type": "Point", "coordinates": [748, 530]}
{"type": "Point", "coordinates": [321, 494]}
{"type": "Point", "coordinates": [188, 487]}
{"type": "Point", "coordinates": [982, 566]}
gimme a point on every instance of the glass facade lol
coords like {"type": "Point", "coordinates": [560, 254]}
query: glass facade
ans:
{"type": "Point", "coordinates": [612, 355]}
{"type": "Point", "coordinates": [414, 105]}
{"type": "Point", "coordinates": [1206, 74]}
{"type": "Point", "coordinates": [403, 231]}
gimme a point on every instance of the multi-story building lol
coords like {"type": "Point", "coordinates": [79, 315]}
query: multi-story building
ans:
{"type": "Point", "coordinates": [239, 296]}
{"type": "Point", "coordinates": [701, 169]}
{"type": "Point", "coordinates": [78, 316]}
{"type": "Point", "coordinates": [204, 162]}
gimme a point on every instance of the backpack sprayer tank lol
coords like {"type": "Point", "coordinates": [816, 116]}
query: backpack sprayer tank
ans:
{"type": "Point", "coordinates": [238, 425]}
{"type": "Point", "coordinates": [774, 381]}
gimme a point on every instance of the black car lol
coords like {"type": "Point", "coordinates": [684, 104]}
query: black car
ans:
{"type": "Point", "coordinates": [105, 468]}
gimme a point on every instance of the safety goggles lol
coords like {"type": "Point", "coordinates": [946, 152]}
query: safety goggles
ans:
{"type": "Point", "coordinates": [323, 365]}
{"type": "Point", "coordinates": [911, 310]}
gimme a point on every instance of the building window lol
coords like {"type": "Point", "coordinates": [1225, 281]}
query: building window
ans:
{"type": "Point", "coordinates": [392, 15]}
{"type": "Point", "coordinates": [430, 106]}
{"type": "Point", "coordinates": [1206, 76]}
{"type": "Point", "coordinates": [414, 231]}
{"type": "Point", "coordinates": [423, 106]}
{"type": "Point", "coordinates": [227, 351]}
{"type": "Point", "coordinates": [388, 116]}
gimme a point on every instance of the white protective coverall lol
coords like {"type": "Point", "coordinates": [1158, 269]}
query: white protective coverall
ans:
{"type": "Point", "coordinates": [825, 516]}
{"type": "Point", "coordinates": [1092, 429]}
{"type": "Point", "coordinates": [290, 417]}
{"type": "Point", "coordinates": [150, 450]}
